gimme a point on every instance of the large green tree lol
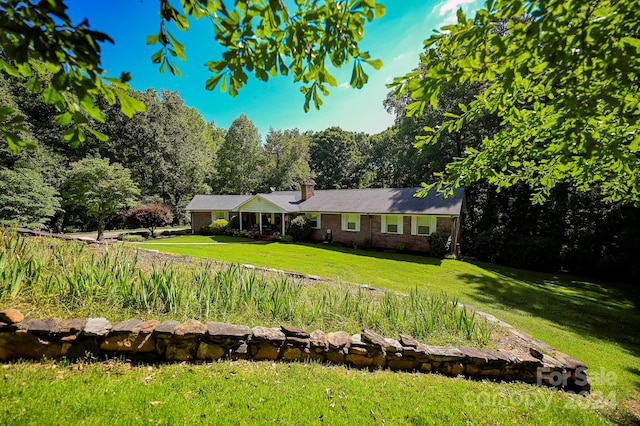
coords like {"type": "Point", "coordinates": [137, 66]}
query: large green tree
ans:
{"type": "Point", "coordinates": [25, 198]}
{"type": "Point", "coordinates": [562, 76]}
{"type": "Point", "coordinates": [286, 159]}
{"type": "Point", "coordinates": [240, 159]}
{"type": "Point", "coordinates": [393, 157]}
{"type": "Point", "coordinates": [336, 159]}
{"type": "Point", "coordinates": [102, 189]}
{"type": "Point", "coordinates": [265, 38]}
{"type": "Point", "coordinates": [170, 149]}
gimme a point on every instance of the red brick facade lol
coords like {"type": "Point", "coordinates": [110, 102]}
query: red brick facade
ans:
{"type": "Point", "coordinates": [198, 219]}
{"type": "Point", "coordinates": [371, 229]}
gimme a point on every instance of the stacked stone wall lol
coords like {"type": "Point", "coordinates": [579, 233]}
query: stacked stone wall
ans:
{"type": "Point", "coordinates": [172, 341]}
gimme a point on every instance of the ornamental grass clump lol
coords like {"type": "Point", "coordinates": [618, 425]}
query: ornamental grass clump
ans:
{"type": "Point", "coordinates": [69, 279]}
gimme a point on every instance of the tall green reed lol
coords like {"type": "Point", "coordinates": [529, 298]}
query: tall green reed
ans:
{"type": "Point", "coordinates": [112, 279]}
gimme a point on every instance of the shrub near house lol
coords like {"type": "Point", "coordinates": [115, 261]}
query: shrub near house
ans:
{"type": "Point", "coordinates": [300, 228]}
{"type": "Point", "coordinates": [217, 227]}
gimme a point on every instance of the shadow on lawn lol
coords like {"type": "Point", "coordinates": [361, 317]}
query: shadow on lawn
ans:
{"type": "Point", "coordinates": [386, 255]}
{"type": "Point", "coordinates": [607, 311]}
{"type": "Point", "coordinates": [636, 372]}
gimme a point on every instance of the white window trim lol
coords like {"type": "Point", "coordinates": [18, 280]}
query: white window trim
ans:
{"type": "Point", "coordinates": [213, 215]}
{"type": "Point", "coordinates": [309, 215]}
{"type": "Point", "coordinates": [433, 221]}
{"type": "Point", "coordinates": [345, 218]}
{"type": "Point", "coordinates": [384, 227]}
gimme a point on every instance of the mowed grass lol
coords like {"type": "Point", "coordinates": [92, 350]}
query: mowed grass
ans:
{"type": "Point", "coordinates": [596, 322]}
{"type": "Point", "coordinates": [244, 393]}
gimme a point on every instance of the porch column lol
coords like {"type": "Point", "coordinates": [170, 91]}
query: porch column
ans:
{"type": "Point", "coordinates": [282, 233]}
{"type": "Point", "coordinates": [240, 219]}
{"type": "Point", "coordinates": [260, 221]}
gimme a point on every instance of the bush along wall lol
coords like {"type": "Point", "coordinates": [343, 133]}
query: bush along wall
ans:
{"type": "Point", "coordinates": [154, 341]}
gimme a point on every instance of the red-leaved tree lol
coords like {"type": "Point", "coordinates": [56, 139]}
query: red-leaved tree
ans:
{"type": "Point", "coordinates": [148, 216]}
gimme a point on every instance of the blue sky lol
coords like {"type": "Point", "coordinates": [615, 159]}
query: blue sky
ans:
{"type": "Point", "coordinates": [395, 38]}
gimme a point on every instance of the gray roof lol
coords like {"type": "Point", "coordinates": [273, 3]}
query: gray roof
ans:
{"type": "Point", "coordinates": [216, 202]}
{"type": "Point", "coordinates": [372, 200]}
{"type": "Point", "coordinates": [383, 200]}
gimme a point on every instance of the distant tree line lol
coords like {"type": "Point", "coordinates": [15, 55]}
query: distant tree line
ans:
{"type": "Point", "coordinates": [171, 153]}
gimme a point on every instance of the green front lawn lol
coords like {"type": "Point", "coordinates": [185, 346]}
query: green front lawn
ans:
{"type": "Point", "coordinates": [593, 321]}
{"type": "Point", "coordinates": [244, 393]}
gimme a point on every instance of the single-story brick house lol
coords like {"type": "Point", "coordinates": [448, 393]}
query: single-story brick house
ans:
{"type": "Point", "coordinates": [386, 217]}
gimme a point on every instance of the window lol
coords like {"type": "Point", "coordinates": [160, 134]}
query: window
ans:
{"type": "Point", "coordinates": [392, 224]}
{"type": "Point", "coordinates": [423, 225]}
{"type": "Point", "coordinates": [219, 214]}
{"type": "Point", "coordinates": [351, 222]}
{"type": "Point", "coordinates": [314, 219]}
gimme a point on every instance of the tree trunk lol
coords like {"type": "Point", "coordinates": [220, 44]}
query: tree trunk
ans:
{"type": "Point", "coordinates": [101, 221]}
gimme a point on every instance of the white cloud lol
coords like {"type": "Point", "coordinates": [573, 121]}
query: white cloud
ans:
{"type": "Point", "coordinates": [344, 85]}
{"type": "Point", "coordinates": [451, 6]}
{"type": "Point", "coordinates": [401, 57]}
{"type": "Point", "coordinates": [448, 9]}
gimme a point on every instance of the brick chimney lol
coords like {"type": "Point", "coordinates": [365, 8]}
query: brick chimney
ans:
{"type": "Point", "coordinates": [306, 190]}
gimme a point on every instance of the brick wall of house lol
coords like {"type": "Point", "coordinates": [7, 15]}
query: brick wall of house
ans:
{"type": "Point", "coordinates": [398, 241]}
{"type": "Point", "coordinates": [444, 224]}
{"type": "Point", "coordinates": [334, 223]}
{"type": "Point", "coordinates": [198, 219]}
{"type": "Point", "coordinates": [378, 239]}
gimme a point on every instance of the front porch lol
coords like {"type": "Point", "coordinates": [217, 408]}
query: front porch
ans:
{"type": "Point", "coordinates": [267, 223]}
{"type": "Point", "coordinates": [264, 215]}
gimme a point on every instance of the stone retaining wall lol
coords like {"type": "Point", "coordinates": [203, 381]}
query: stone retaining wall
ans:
{"type": "Point", "coordinates": [152, 341]}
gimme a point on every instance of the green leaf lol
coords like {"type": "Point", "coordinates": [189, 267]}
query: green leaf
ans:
{"type": "Point", "coordinates": [74, 135]}
{"type": "Point", "coordinates": [181, 22]}
{"type": "Point", "coordinates": [9, 69]}
{"type": "Point", "coordinates": [632, 41]}
{"type": "Point", "coordinates": [25, 69]}
{"type": "Point", "coordinates": [330, 79]}
{"type": "Point", "coordinates": [433, 100]}
{"type": "Point", "coordinates": [223, 85]}
{"type": "Point", "coordinates": [178, 47]}
{"type": "Point", "coordinates": [153, 39]}
{"type": "Point", "coordinates": [100, 136]}
{"type": "Point", "coordinates": [375, 63]}
{"type": "Point", "coordinates": [64, 118]}
{"type": "Point", "coordinates": [157, 57]}
{"type": "Point", "coordinates": [88, 105]}
{"type": "Point", "coordinates": [79, 118]}
{"type": "Point", "coordinates": [129, 105]}
{"type": "Point", "coordinates": [213, 81]}
{"type": "Point", "coordinates": [119, 82]}
{"type": "Point", "coordinates": [52, 96]}
{"type": "Point", "coordinates": [34, 84]}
